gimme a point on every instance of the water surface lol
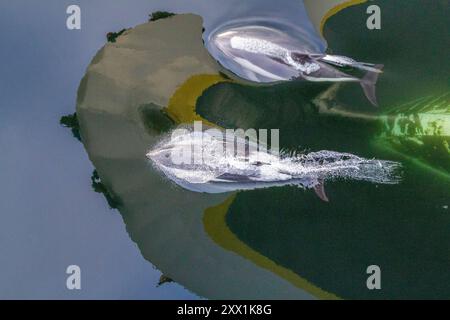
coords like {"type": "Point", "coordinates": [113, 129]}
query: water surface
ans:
{"type": "Point", "coordinates": [272, 243]}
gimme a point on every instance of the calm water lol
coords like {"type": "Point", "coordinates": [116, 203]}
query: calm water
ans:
{"type": "Point", "coordinates": [272, 243]}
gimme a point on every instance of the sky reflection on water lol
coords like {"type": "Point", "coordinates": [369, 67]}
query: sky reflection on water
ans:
{"type": "Point", "coordinates": [50, 216]}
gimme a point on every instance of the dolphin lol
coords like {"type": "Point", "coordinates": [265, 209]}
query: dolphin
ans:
{"type": "Point", "coordinates": [264, 55]}
{"type": "Point", "coordinates": [222, 169]}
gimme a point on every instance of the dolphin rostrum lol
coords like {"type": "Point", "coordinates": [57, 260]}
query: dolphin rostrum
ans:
{"type": "Point", "coordinates": [202, 162]}
{"type": "Point", "coordinates": [261, 54]}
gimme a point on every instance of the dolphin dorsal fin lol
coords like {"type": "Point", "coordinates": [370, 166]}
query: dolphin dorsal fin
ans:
{"type": "Point", "coordinates": [320, 191]}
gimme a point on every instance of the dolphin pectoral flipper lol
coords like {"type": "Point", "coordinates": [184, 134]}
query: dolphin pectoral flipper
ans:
{"type": "Point", "coordinates": [320, 191]}
{"type": "Point", "coordinates": [368, 83]}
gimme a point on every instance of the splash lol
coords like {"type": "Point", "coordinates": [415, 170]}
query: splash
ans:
{"type": "Point", "coordinates": [331, 165]}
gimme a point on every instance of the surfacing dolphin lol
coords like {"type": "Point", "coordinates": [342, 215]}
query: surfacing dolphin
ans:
{"type": "Point", "coordinates": [263, 54]}
{"type": "Point", "coordinates": [202, 162]}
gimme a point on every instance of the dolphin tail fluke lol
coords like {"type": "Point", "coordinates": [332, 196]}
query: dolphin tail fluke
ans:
{"type": "Point", "coordinates": [368, 84]}
{"type": "Point", "coordinates": [320, 191]}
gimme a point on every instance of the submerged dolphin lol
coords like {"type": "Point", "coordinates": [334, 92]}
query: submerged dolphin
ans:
{"type": "Point", "coordinates": [223, 170]}
{"type": "Point", "coordinates": [263, 54]}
